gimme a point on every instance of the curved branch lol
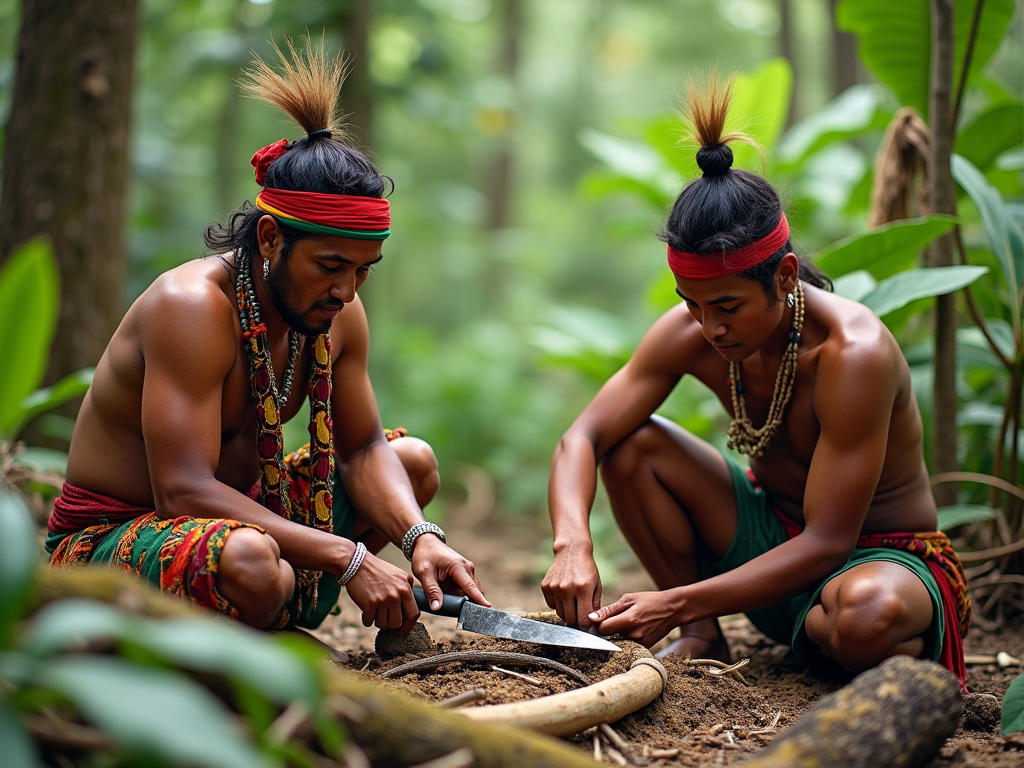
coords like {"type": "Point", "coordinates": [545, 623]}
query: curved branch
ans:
{"type": "Point", "coordinates": [485, 657]}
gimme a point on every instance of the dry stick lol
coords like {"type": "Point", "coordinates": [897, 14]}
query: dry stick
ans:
{"type": "Point", "coordinates": [616, 756]}
{"type": "Point", "coordinates": [617, 741]}
{"type": "Point", "coordinates": [287, 723]}
{"type": "Point", "coordinates": [520, 675]}
{"type": "Point", "coordinates": [659, 754]}
{"type": "Point", "coordinates": [723, 668]}
{"type": "Point", "coordinates": [597, 748]}
{"type": "Point", "coordinates": [466, 697]}
{"type": "Point", "coordinates": [484, 657]}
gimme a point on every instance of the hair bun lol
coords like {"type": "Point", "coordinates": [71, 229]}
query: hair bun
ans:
{"type": "Point", "coordinates": [716, 160]}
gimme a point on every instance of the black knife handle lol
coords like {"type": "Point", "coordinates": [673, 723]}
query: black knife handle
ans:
{"type": "Point", "coordinates": [450, 606]}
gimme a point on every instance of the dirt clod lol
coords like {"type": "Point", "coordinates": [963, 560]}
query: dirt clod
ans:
{"type": "Point", "coordinates": [390, 643]}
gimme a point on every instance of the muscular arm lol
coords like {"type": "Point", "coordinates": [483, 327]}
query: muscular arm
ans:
{"type": "Point", "coordinates": [855, 388]}
{"type": "Point", "coordinates": [189, 343]}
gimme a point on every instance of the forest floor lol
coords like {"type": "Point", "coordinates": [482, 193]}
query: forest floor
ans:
{"type": "Point", "coordinates": [709, 720]}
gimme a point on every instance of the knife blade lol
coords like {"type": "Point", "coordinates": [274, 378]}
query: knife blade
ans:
{"type": "Point", "coordinates": [491, 621]}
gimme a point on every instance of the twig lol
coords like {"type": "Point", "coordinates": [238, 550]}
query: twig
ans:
{"type": "Point", "coordinates": [287, 723]}
{"type": "Point", "coordinates": [520, 675]}
{"type": "Point", "coordinates": [597, 748]}
{"type": "Point", "coordinates": [68, 734]}
{"type": "Point", "coordinates": [484, 657]}
{"type": "Point", "coordinates": [659, 754]}
{"type": "Point", "coordinates": [466, 697]}
{"type": "Point", "coordinates": [775, 720]}
{"type": "Point", "coordinates": [617, 741]}
{"type": "Point", "coordinates": [460, 758]}
{"type": "Point", "coordinates": [355, 757]}
{"type": "Point", "coordinates": [723, 668]}
{"type": "Point", "coordinates": [616, 756]}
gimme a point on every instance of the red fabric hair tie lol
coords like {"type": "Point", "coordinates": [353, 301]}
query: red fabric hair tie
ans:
{"type": "Point", "coordinates": [704, 266]}
{"type": "Point", "coordinates": [263, 158]}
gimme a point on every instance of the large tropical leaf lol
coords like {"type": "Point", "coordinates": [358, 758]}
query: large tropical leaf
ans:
{"type": "Point", "coordinates": [71, 386]}
{"type": "Point", "coordinates": [19, 556]}
{"type": "Point", "coordinates": [759, 107]}
{"type": "Point", "coordinates": [964, 514]}
{"type": "Point", "coordinates": [995, 131]}
{"type": "Point", "coordinates": [914, 284]}
{"type": "Point", "coordinates": [153, 714]}
{"type": "Point", "coordinates": [885, 251]}
{"type": "Point", "coordinates": [1013, 707]}
{"type": "Point", "coordinates": [28, 316]}
{"type": "Point", "coordinates": [894, 40]}
{"type": "Point", "coordinates": [854, 111]}
{"type": "Point", "coordinates": [17, 749]}
{"type": "Point", "coordinates": [1004, 235]}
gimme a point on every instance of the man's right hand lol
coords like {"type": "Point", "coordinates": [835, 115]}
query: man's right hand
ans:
{"type": "Point", "coordinates": [384, 594]}
{"type": "Point", "coordinates": [572, 587]}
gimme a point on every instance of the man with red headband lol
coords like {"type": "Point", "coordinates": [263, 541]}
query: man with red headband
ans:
{"type": "Point", "coordinates": [828, 540]}
{"type": "Point", "coordinates": [177, 470]}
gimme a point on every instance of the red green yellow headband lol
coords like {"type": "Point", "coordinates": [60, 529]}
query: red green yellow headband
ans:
{"type": "Point", "coordinates": [360, 218]}
{"type": "Point", "coordinates": [704, 266]}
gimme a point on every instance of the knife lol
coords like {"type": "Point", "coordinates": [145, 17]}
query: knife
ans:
{"type": "Point", "coordinates": [490, 621]}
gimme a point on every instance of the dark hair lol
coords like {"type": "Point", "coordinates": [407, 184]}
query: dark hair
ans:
{"type": "Point", "coordinates": [726, 208]}
{"type": "Point", "coordinates": [307, 89]}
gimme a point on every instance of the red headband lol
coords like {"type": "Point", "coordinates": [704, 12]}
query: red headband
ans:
{"type": "Point", "coordinates": [367, 218]}
{"type": "Point", "coordinates": [704, 266]}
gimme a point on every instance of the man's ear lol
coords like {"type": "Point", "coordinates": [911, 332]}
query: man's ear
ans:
{"type": "Point", "coordinates": [787, 275]}
{"type": "Point", "coordinates": [268, 236]}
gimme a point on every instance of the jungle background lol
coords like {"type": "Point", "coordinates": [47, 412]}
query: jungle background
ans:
{"type": "Point", "coordinates": [534, 148]}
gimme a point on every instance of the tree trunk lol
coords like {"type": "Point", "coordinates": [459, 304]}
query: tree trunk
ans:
{"type": "Point", "coordinates": [844, 56]}
{"type": "Point", "coordinates": [497, 184]}
{"type": "Point", "coordinates": [899, 713]}
{"type": "Point", "coordinates": [943, 200]}
{"type": "Point", "coordinates": [357, 95]}
{"type": "Point", "coordinates": [67, 164]}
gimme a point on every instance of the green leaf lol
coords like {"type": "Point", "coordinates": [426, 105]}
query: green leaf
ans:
{"type": "Point", "coordinates": [855, 285]}
{"type": "Point", "coordinates": [207, 645]}
{"type": "Point", "coordinates": [19, 556]}
{"type": "Point", "coordinates": [71, 386]}
{"type": "Point", "coordinates": [17, 748]}
{"type": "Point", "coordinates": [963, 514]}
{"type": "Point", "coordinates": [28, 316]}
{"type": "Point", "coordinates": [1004, 235]}
{"type": "Point", "coordinates": [152, 713]}
{"type": "Point", "coordinates": [885, 251]}
{"type": "Point", "coordinates": [993, 132]}
{"type": "Point", "coordinates": [1013, 707]}
{"type": "Point", "coordinates": [759, 108]}
{"type": "Point", "coordinates": [901, 289]}
{"type": "Point", "coordinates": [631, 160]}
{"type": "Point", "coordinates": [851, 113]}
{"type": "Point", "coordinates": [894, 40]}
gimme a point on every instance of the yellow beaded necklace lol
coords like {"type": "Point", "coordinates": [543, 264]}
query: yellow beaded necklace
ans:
{"type": "Point", "coordinates": [743, 437]}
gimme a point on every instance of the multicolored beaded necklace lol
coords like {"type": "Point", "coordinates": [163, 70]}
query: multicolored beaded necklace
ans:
{"type": "Point", "coordinates": [269, 433]}
{"type": "Point", "coordinates": [742, 434]}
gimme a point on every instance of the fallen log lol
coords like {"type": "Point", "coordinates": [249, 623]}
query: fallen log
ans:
{"type": "Point", "coordinates": [897, 714]}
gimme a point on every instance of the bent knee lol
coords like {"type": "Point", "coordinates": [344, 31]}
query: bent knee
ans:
{"type": "Point", "coordinates": [250, 560]}
{"type": "Point", "coordinates": [421, 465]}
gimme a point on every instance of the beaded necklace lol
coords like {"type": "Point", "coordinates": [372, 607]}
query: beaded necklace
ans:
{"type": "Point", "coordinates": [742, 435]}
{"type": "Point", "coordinates": [269, 433]}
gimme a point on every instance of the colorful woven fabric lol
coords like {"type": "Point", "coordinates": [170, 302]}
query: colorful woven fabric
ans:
{"type": "Point", "coordinates": [934, 549]}
{"type": "Point", "coordinates": [361, 218]}
{"type": "Point", "coordinates": [704, 266]}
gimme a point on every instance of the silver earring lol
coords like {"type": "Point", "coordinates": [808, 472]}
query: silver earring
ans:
{"type": "Point", "coordinates": [266, 274]}
{"type": "Point", "coordinates": [789, 296]}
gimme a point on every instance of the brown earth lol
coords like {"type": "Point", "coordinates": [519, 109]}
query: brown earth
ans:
{"type": "Point", "coordinates": [709, 719]}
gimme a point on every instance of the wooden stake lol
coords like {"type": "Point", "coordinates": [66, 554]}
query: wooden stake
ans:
{"type": "Point", "coordinates": [520, 675]}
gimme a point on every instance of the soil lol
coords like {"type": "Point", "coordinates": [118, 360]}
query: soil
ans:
{"type": "Point", "coordinates": [709, 719]}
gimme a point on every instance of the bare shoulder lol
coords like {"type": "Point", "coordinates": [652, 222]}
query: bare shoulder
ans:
{"type": "Point", "coordinates": [190, 308]}
{"type": "Point", "coordinates": [674, 345]}
{"type": "Point", "coordinates": [856, 349]}
{"type": "Point", "coordinates": [350, 332]}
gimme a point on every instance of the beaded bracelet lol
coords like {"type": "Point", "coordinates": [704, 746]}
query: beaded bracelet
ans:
{"type": "Point", "coordinates": [409, 540]}
{"type": "Point", "coordinates": [353, 564]}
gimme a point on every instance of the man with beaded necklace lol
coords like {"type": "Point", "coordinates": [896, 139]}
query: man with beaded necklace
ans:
{"type": "Point", "coordinates": [828, 542]}
{"type": "Point", "coordinates": [176, 470]}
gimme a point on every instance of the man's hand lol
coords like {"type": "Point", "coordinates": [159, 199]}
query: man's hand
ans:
{"type": "Point", "coordinates": [384, 594]}
{"type": "Point", "coordinates": [441, 570]}
{"type": "Point", "coordinates": [644, 617]}
{"type": "Point", "coordinates": [572, 587]}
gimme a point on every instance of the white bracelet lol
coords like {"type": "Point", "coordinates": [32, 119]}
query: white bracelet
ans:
{"type": "Point", "coordinates": [353, 564]}
{"type": "Point", "coordinates": [409, 540]}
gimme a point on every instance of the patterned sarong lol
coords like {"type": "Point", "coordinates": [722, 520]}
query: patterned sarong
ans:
{"type": "Point", "coordinates": [935, 550]}
{"type": "Point", "coordinates": [181, 555]}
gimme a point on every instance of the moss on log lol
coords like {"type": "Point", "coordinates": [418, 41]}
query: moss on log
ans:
{"type": "Point", "coordinates": [897, 714]}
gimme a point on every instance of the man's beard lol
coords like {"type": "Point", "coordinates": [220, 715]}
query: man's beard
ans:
{"type": "Point", "coordinates": [279, 285]}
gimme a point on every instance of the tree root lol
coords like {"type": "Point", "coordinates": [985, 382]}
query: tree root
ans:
{"type": "Point", "coordinates": [485, 657]}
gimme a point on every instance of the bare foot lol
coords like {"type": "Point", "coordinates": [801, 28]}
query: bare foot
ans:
{"type": "Point", "coordinates": [700, 640]}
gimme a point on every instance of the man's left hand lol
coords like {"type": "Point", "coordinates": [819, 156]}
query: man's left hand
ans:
{"type": "Point", "coordinates": [644, 617]}
{"type": "Point", "coordinates": [441, 570]}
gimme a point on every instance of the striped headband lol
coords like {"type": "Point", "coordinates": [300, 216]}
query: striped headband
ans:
{"type": "Point", "coordinates": [704, 266]}
{"type": "Point", "coordinates": [359, 218]}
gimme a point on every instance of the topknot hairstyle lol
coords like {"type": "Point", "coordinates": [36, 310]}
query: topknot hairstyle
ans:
{"type": "Point", "coordinates": [727, 208]}
{"type": "Point", "coordinates": [306, 85]}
